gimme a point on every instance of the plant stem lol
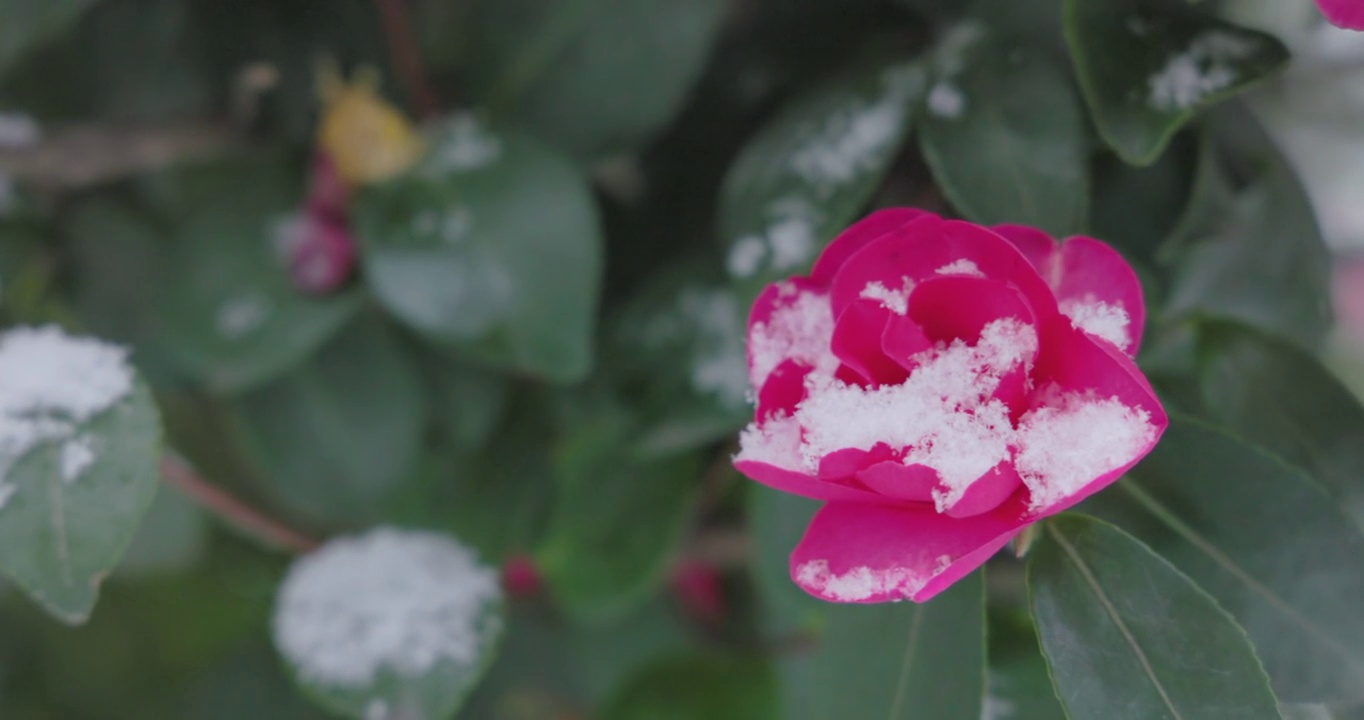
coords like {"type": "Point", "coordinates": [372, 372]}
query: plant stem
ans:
{"type": "Point", "coordinates": [178, 474]}
{"type": "Point", "coordinates": [407, 62]}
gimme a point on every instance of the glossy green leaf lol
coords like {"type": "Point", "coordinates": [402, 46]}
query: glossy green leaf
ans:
{"type": "Point", "coordinates": [340, 433]}
{"type": "Point", "coordinates": [1263, 260]}
{"type": "Point", "coordinates": [617, 522]}
{"type": "Point", "coordinates": [228, 311]}
{"type": "Point", "coordinates": [1126, 635]}
{"type": "Point", "coordinates": [59, 537]}
{"type": "Point", "coordinates": [1020, 688]}
{"type": "Point", "coordinates": [698, 687]}
{"type": "Point", "coordinates": [594, 77]}
{"type": "Point", "coordinates": [1146, 68]}
{"type": "Point", "coordinates": [902, 660]}
{"type": "Point", "coordinates": [1263, 539]}
{"type": "Point", "coordinates": [30, 23]}
{"type": "Point", "coordinates": [812, 168]}
{"type": "Point", "coordinates": [491, 244]}
{"type": "Point", "coordinates": [1004, 135]}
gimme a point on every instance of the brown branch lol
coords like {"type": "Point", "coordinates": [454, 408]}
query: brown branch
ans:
{"type": "Point", "coordinates": [407, 61]}
{"type": "Point", "coordinates": [178, 474]}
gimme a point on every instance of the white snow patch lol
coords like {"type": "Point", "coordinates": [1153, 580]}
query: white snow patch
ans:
{"type": "Point", "coordinates": [1202, 69]}
{"type": "Point", "coordinates": [389, 600]}
{"type": "Point", "coordinates": [19, 131]}
{"type": "Point", "coordinates": [960, 267]}
{"type": "Point", "coordinates": [896, 301]}
{"type": "Point", "coordinates": [787, 243]}
{"type": "Point", "coordinates": [243, 315]}
{"type": "Point", "coordinates": [863, 582]}
{"type": "Point", "coordinates": [465, 145]}
{"type": "Point", "coordinates": [746, 257]}
{"type": "Point", "coordinates": [50, 383]}
{"type": "Point", "coordinates": [775, 442]}
{"type": "Point", "coordinates": [1075, 438]}
{"type": "Point", "coordinates": [946, 100]}
{"type": "Point", "coordinates": [943, 413]}
{"type": "Point", "coordinates": [719, 366]}
{"type": "Point", "coordinates": [799, 330]}
{"type": "Point", "coordinates": [1100, 319]}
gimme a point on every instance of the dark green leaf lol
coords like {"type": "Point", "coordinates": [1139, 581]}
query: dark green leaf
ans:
{"type": "Point", "coordinates": [1128, 636]}
{"type": "Point", "coordinates": [1137, 208]}
{"type": "Point", "coordinates": [1265, 263]}
{"type": "Point", "coordinates": [1004, 134]}
{"type": "Point", "coordinates": [1020, 687]}
{"type": "Point", "coordinates": [812, 168]}
{"type": "Point", "coordinates": [490, 244]}
{"type": "Point", "coordinates": [338, 434]}
{"type": "Point", "coordinates": [171, 538]}
{"type": "Point", "coordinates": [30, 23]}
{"type": "Point", "coordinates": [592, 76]}
{"type": "Point", "coordinates": [228, 310]}
{"type": "Point", "coordinates": [60, 536]}
{"type": "Point", "coordinates": [1146, 68]}
{"type": "Point", "coordinates": [903, 660]}
{"type": "Point", "coordinates": [1262, 538]}
{"type": "Point", "coordinates": [698, 687]}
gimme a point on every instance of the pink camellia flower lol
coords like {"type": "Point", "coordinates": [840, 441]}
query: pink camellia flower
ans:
{"type": "Point", "coordinates": [1345, 13]}
{"type": "Point", "coordinates": [318, 250]}
{"type": "Point", "coordinates": [941, 386]}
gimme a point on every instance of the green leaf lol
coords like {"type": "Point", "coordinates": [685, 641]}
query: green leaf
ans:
{"type": "Point", "coordinates": [1020, 688]}
{"type": "Point", "coordinates": [1265, 263]}
{"type": "Point", "coordinates": [903, 660]}
{"type": "Point", "coordinates": [491, 244]}
{"type": "Point", "coordinates": [1263, 539]}
{"type": "Point", "coordinates": [1282, 399]}
{"type": "Point", "coordinates": [171, 538]}
{"type": "Point", "coordinates": [30, 23]}
{"type": "Point", "coordinates": [812, 168]}
{"type": "Point", "coordinates": [593, 77]}
{"type": "Point", "coordinates": [1137, 208]}
{"type": "Point", "coordinates": [1126, 635]}
{"type": "Point", "coordinates": [1146, 68]}
{"type": "Point", "coordinates": [469, 400]}
{"type": "Point", "coordinates": [228, 309]}
{"type": "Point", "coordinates": [60, 538]}
{"type": "Point", "coordinates": [617, 522]}
{"type": "Point", "coordinates": [777, 521]}
{"type": "Point", "coordinates": [335, 437]}
{"type": "Point", "coordinates": [1004, 135]}
{"type": "Point", "coordinates": [698, 687]}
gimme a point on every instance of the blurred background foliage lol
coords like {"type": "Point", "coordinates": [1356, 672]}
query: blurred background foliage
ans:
{"type": "Point", "coordinates": [542, 352]}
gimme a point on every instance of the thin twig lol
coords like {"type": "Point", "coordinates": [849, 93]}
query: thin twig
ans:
{"type": "Point", "coordinates": [178, 474]}
{"type": "Point", "coordinates": [407, 61]}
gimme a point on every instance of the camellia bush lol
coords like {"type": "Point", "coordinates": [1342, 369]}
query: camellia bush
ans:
{"type": "Point", "coordinates": [684, 359]}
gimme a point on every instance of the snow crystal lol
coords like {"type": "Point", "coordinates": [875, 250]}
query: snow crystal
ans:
{"type": "Point", "coordinates": [776, 442]}
{"type": "Point", "coordinates": [386, 601]}
{"type": "Point", "coordinates": [896, 301]}
{"type": "Point", "coordinates": [943, 412]}
{"type": "Point", "coordinates": [1201, 70]}
{"type": "Point", "coordinates": [1074, 439]}
{"type": "Point", "coordinates": [1099, 319]}
{"type": "Point", "coordinates": [799, 330]}
{"type": "Point", "coordinates": [746, 257]}
{"type": "Point", "coordinates": [792, 241]}
{"type": "Point", "coordinates": [466, 145]}
{"type": "Point", "coordinates": [961, 267]}
{"type": "Point", "coordinates": [242, 315]}
{"type": "Point", "coordinates": [50, 383]}
{"type": "Point", "coordinates": [863, 582]}
{"type": "Point", "coordinates": [850, 144]}
{"type": "Point", "coordinates": [19, 131]}
{"type": "Point", "coordinates": [78, 454]}
{"type": "Point", "coordinates": [946, 100]}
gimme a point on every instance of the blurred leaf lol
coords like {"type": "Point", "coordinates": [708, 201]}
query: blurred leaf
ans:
{"type": "Point", "coordinates": [172, 537]}
{"type": "Point", "coordinates": [812, 168]}
{"type": "Point", "coordinates": [902, 660]}
{"type": "Point", "coordinates": [335, 436]}
{"type": "Point", "coordinates": [593, 77]}
{"type": "Point", "coordinates": [228, 310]}
{"type": "Point", "coordinates": [469, 401]}
{"type": "Point", "coordinates": [1137, 208]}
{"type": "Point", "coordinates": [116, 253]}
{"type": "Point", "coordinates": [1266, 263]}
{"type": "Point", "coordinates": [1205, 203]}
{"type": "Point", "coordinates": [145, 60]}
{"type": "Point", "coordinates": [1282, 399]}
{"type": "Point", "coordinates": [1003, 132]}
{"type": "Point", "coordinates": [490, 244]}
{"type": "Point", "coordinates": [777, 522]}
{"type": "Point", "coordinates": [1263, 539]}
{"type": "Point", "coordinates": [698, 687]}
{"type": "Point", "coordinates": [1146, 68]}
{"type": "Point", "coordinates": [1126, 635]}
{"type": "Point", "coordinates": [248, 684]}
{"type": "Point", "coordinates": [1020, 687]}
{"type": "Point", "coordinates": [617, 522]}
{"type": "Point", "coordinates": [30, 23]}
{"type": "Point", "coordinates": [60, 537]}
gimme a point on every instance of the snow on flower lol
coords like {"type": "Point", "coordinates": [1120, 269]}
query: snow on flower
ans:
{"type": "Point", "coordinates": [941, 386]}
{"type": "Point", "coordinates": [390, 600]}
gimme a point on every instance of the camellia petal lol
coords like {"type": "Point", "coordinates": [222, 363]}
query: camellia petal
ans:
{"type": "Point", "coordinates": [873, 226]}
{"type": "Point", "coordinates": [857, 343]}
{"type": "Point", "coordinates": [1345, 13]}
